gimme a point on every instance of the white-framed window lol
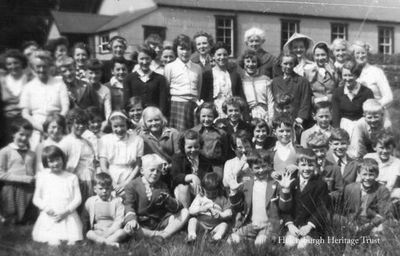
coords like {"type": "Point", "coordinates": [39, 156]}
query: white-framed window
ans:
{"type": "Point", "coordinates": [338, 30]}
{"type": "Point", "coordinates": [385, 40]}
{"type": "Point", "coordinates": [104, 39]}
{"type": "Point", "coordinates": [288, 28]}
{"type": "Point", "coordinates": [225, 31]}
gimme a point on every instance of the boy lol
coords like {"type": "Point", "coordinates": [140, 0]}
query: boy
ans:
{"type": "Point", "coordinates": [389, 165]}
{"type": "Point", "coordinates": [366, 127]}
{"type": "Point", "coordinates": [93, 75]}
{"type": "Point", "coordinates": [327, 170]}
{"type": "Point", "coordinates": [119, 71]}
{"type": "Point", "coordinates": [234, 108]}
{"type": "Point", "coordinates": [184, 78]}
{"type": "Point", "coordinates": [284, 150]}
{"type": "Point", "coordinates": [322, 115]}
{"type": "Point", "coordinates": [258, 204]}
{"type": "Point", "coordinates": [338, 145]}
{"type": "Point", "coordinates": [308, 216]}
{"type": "Point", "coordinates": [105, 213]}
{"type": "Point", "coordinates": [80, 94]}
{"type": "Point", "coordinates": [149, 207]}
{"type": "Point", "coordinates": [366, 204]}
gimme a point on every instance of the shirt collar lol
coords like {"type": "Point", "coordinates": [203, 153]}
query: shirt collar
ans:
{"type": "Point", "coordinates": [187, 64]}
{"type": "Point", "coordinates": [115, 83]}
{"type": "Point", "coordinates": [353, 92]}
{"type": "Point", "coordinates": [280, 145]}
{"type": "Point", "coordinates": [15, 146]}
{"type": "Point", "coordinates": [142, 76]}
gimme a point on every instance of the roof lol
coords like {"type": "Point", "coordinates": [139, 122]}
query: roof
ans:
{"type": "Point", "coordinates": [372, 10]}
{"type": "Point", "coordinates": [79, 23]}
{"type": "Point", "coordinates": [125, 18]}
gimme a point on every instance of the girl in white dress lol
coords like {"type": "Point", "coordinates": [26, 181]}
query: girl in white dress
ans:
{"type": "Point", "coordinates": [120, 151]}
{"type": "Point", "coordinates": [57, 196]}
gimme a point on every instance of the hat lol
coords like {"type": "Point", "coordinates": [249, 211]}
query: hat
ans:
{"type": "Point", "coordinates": [320, 42]}
{"type": "Point", "coordinates": [295, 36]}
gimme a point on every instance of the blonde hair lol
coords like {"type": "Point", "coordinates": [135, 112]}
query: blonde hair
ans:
{"type": "Point", "coordinates": [41, 55]}
{"type": "Point", "coordinates": [339, 42]}
{"type": "Point", "coordinates": [152, 159]}
{"type": "Point", "coordinates": [361, 44]}
{"type": "Point", "coordinates": [254, 32]}
{"type": "Point", "coordinates": [372, 105]}
{"type": "Point", "coordinates": [152, 111]}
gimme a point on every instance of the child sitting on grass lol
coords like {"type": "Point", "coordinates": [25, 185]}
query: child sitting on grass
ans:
{"type": "Point", "coordinates": [150, 210]}
{"type": "Point", "coordinates": [366, 204]}
{"type": "Point", "coordinates": [104, 213]}
{"type": "Point", "coordinates": [257, 202]}
{"type": "Point", "coordinates": [210, 209]}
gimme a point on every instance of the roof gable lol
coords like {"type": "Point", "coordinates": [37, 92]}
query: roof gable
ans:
{"type": "Point", "coordinates": [79, 23]}
{"type": "Point", "coordinates": [374, 10]}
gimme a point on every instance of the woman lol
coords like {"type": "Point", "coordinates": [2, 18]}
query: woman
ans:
{"type": "Point", "coordinates": [299, 44]}
{"type": "Point", "coordinates": [348, 98]}
{"type": "Point", "coordinates": [254, 38]}
{"type": "Point", "coordinates": [222, 81]}
{"type": "Point", "coordinates": [43, 95]}
{"type": "Point", "coordinates": [80, 54]}
{"type": "Point", "coordinates": [203, 43]}
{"type": "Point", "coordinates": [321, 74]}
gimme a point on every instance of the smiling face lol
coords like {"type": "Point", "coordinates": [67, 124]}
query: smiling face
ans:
{"type": "Point", "coordinates": [260, 170]}
{"type": "Point", "coordinates": [250, 65]}
{"type": "Point", "coordinates": [78, 129]}
{"type": "Point", "coordinates": [61, 51]}
{"type": "Point", "coordinates": [254, 42]}
{"type": "Point", "coordinates": [80, 57]}
{"type": "Point", "coordinates": [367, 178]}
{"type": "Point", "coordinates": [151, 172]}
{"type": "Point", "coordinates": [306, 168]}
{"type": "Point", "coordinates": [119, 127]}
{"type": "Point", "coordinates": [221, 58]}
{"type": "Point", "coordinates": [339, 52]}
{"type": "Point", "coordinates": [54, 131]}
{"type": "Point", "coordinates": [374, 119]}
{"type": "Point", "coordinates": [320, 152]}
{"type": "Point", "coordinates": [360, 54]}
{"type": "Point", "coordinates": [339, 147]}
{"type": "Point", "coordinates": [67, 73]}
{"type": "Point", "coordinates": [202, 45]}
{"type": "Point", "coordinates": [14, 66]}
{"type": "Point", "coordinates": [206, 117]}
{"type": "Point", "coordinates": [118, 48]}
{"type": "Point", "coordinates": [287, 65]}
{"type": "Point", "coordinates": [192, 148]}
{"type": "Point", "coordinates": [95, 126]}
{"type": "Point", "coordinates": [153, 122]}
{"type": "Point", "coordinates": [135, 112]}
{"type": "Point", "coordinates": [260, 134]}
{"type": "Point", "coordinates": [183, 53]}
{"type": "Point", "coordinates": [233, 113]}
{"type": "Point", "coordinates": [283, 134]}
{"type": "Point", "coordinates": [55, 164]}
{"type": "Point", "coordinates": [120, 71]}
{"type": "Point", "coordinates": [298, 47]}
{"type": "Point", "coordinates": [93, 76]}
{"type": "Point", "coordinates": [167, 56]}
{"type": "Point", "coordinates": [323, 117]}
{"type": "Point", "coordinates": [349, 79]}
{"type": "Point", "coordinates": [320, 57]}
{"type": "Point", "coordinates": [242, 148]}
{"type": "Point", "coordinates": [21, 138]}
{"type": "Point", "coordinates": [384, 151]}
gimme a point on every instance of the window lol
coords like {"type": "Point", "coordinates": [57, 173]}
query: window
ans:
{"type": "Point", "coordinates": [338, 30]}
{"type": "Point", "coordinates": [288, 28]}
{"type": "Point", "coordinates": [148, 30]}
{"type": "Point", "coordinates": [103, 44]}
{"type": "Point", "coordinates": [385, 40]}
{"type": "Point", "coordinates": [225, 31]}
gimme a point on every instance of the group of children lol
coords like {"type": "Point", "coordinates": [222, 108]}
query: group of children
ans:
{"type": "Point", "coordinates": [231, 152]}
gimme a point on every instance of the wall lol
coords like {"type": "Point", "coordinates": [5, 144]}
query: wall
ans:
{"type": "Point", "coordinates": [113, 7]}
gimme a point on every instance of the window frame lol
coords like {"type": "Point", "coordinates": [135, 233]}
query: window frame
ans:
{"type": "Point", "coordinates": [345, 32]}
{"type": "Point", "coordinates": [103, 45]}
{"type": "Point", "coordinates": [233, 28]}
{"type": "Point", "coordinates": [296, 22]}
{"type": "Point", "coordinates": [383, 44]}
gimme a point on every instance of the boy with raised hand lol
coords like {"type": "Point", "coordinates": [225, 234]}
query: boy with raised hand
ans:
{"type": "Point", "coordinates": [259, 201]}
{"type": "Point", "coordinates": [150, 210]}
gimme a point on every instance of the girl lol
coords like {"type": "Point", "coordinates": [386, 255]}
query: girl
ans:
{"type": "Point", "coordinates": [188, 168]}
{"type": "Point", "coordinates": [339, 48]}
{"type": "Point", "coordinates": [254, 39]}
{"type": "Point", "coordinates": [348, 98]}
{"type": "Point", "coordinates": [322, 76]}
{"type": "Point", "coordinates": [81, 54]}
{"type": "Point", "coordinates": [94, 132]}
{"type": "Point", "coordinates": [210, 209]}
{"type": "Point", "coordinates": [299, 44]}
{"type": "Point", "coordinates": [261, 132]}
{"type": "Point", "coordinates": [134, 108]}
{"type": "Point", "coordinates": [145, 83]}
{"type": "Point", "coordinates": [155, 43]}
{"type": "Point", "coordinates": [215, 141]}
{"type": "Point", "coordinates": [120, 152]}
{"type": "Point", "coordinates": [54, 128]}
{"type": "Point", "coordinates": [222, 81]}
{"type": "Point", "coordinates": [17, 164]}
{"type": "Point", "coordinates": [158, 138]}
{"type": "Point", "coordinates": [79, 152]}
{"type": "Point", "coordinates": [203, 43]}
{"type": "Point", "coordinates": [256, 87]}
{"type": "Point", "coordinates": [58, 47]}
{"type": "Point", "coordinates": [295, 85]}
{"type": "Point", "coordinates": [167, 55]}
{"type": "Point", "coordinates": [57, 196]}
{"type": "Point", "coordinates": [185, 79]}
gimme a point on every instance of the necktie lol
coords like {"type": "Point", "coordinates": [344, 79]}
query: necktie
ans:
{"type": "Point", "coordinates": [340, 162]}
{"type": "Point", "coordinates": [303, 185]}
